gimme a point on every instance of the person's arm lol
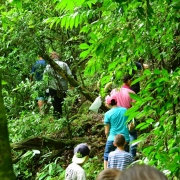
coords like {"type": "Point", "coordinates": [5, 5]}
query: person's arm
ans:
{"type": "Point", "coordinates": [107, 127]}
{"type": "Point", "coordinates": [107, 124]}
{"type": "Point", "coordinates": [145, 66]}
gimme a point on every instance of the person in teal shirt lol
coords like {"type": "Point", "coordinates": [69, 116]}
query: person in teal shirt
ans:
{"type": "Point", "coordinates": [115, 123]}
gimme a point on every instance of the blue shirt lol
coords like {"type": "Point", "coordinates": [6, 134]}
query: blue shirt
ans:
{"type": "Point", "coordinates": [38, 69]}
{"type": "Point", "coordinates": [117, 122]}
{"type": "Point", "coordinates": [119, 159]}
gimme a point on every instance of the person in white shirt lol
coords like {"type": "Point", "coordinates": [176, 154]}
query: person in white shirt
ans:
{"type": "Point", "coordinates": [75, 171]}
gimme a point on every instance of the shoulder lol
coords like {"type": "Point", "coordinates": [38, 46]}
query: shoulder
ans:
{"type": "Point", "coordinates": [128, 155]}
{"type": "Point", "coordinates": [120, 108]}
{"type": "Point", "coordinates": [112, 153]}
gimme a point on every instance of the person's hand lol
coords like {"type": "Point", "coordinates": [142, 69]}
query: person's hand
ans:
{"type": "Point", "coordinates": [131, 126]}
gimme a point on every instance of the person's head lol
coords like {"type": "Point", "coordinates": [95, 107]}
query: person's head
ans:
{"type": "Point", "coordinates": [119, 140]}
{"type": "Point", "coordinates": [40, 57]}
{"type": "Point", "coordinates": [81, 154]}
{"type": "Point", "coordinates": [54, 55]}
{"type": "Point", "coordinates": [108, 174]}
{"type": "Point", "coordinates": [111, 101]}
{"type": "Point", "coordinates": [127, 79]}
{"type": "Point", "coordinates": [142, 172]}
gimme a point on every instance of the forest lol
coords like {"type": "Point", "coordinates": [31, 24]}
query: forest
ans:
{"type": "Point", "coordinates": [100, 40]}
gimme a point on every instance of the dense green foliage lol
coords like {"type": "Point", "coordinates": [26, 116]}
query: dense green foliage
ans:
{"type": "Point", "coordinates": [100, 40]}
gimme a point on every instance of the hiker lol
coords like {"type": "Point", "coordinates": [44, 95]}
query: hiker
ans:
{"type": "Point", "coordinates": [37, 75]}
{"type": "Point", "coordinates": [115, 123]}
{"type": "Point", "coordinates": [124, 100]}
{"type": "Point", "coordinates": [75, 171]}
{"type": "Point", "coordinates": [57, 85]}
{"type": "Point", "coordinates": [119, 158]}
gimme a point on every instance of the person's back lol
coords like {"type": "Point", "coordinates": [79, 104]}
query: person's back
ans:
{"type": "Point", "coordinates": [75, 171]}
{"type": "Point", "coordinates": [123, 96]}
{"type": "Point", "coordinates": [38, 69]}
{"type": "Point", "coordinates": [57, 85]}
{"type": "Point", "coordinates": [119, 158]}
{"type": "Point", "coordinates": [56, 81]}
{"type": "Point", "coordinates": [115, 123]}
{"type": "Point", "coordinates": [115, 117]}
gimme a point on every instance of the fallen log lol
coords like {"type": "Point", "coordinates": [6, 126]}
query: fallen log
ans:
{"type": "Point", "coordinates": [45, 142]}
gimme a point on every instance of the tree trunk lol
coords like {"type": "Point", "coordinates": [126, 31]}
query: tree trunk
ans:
{"type": "Point", "coordinates": [6, 168]}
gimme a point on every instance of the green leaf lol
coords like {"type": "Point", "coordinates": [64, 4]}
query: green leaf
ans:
{"type": "Point", "coordinates": [84, 54]}
{"type": "Point", "coordinates": [157, 71]}
{"type": "Point", "coordinates": [63, 21]}
{"type": "Point", "coordinates": [174, 150]}
{"type": "Point", "coordinates": [84, 46]}
{"type": "Point", "coordinates": [113, 65]}
{"type": "Point", "coordinates": [135, 97]}
{"type": "Point", "coordinates": [145, 126]}
{"type": "Point", "coordinates": [18, 3]}
{"type": "Point", "coordinates": [140, 125]}
{"type": "Point", "coordinates": [132, 110]}
{"type": "Point", "coordinates": [138, 80]}
{"type": "Point", "coordinates": [165, 73]}
{"type": "Point", "coordinates": [76, 23]}
{"type": "Point", "coordinates": [147, 72]}
{"type": "Point", "coordinates": [150, 120]}
{"type": "Point", "coordinates": [3, 82]}
{"type": "Point", "coordinates": [99, 50]}
{"type": "Point", "coordinates": [71, 22]}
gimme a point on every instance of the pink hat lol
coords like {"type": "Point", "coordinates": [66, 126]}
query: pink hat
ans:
{"type": "Point", "coordinates": [109, 98]}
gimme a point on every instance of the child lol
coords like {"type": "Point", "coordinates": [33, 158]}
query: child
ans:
{"type": "Point", "coordinates": [119, 158]}
{"type": "Point", "coordinates": [75, 171]}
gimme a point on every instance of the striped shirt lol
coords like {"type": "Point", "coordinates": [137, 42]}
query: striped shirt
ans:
{"type": "Point", "coordinates": [119, 159]}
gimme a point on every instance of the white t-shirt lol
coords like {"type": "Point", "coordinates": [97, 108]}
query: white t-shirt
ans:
{"type": "Point", "coordinates": [75, 172]}
{"type": "Point", "coordinates": [56, 81]}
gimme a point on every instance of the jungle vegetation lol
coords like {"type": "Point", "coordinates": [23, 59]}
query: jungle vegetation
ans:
{"type": "Point", "coordinates": [100, 40]}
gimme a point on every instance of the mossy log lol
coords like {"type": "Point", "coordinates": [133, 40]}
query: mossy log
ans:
{"type": "Point", "coordinates": [45, 142]}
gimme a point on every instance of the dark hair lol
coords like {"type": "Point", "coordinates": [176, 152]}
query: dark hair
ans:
{"type": "Point", "coordinates": [108, 174]}
{"type": "Point", "coordinates": [119, 140]}
{"type": "Point", "coordinates": [126, 78]}
{"type": "Point", "coordinates": [142, 172]}
{"type": "Point", "coordinates": [113, 102]}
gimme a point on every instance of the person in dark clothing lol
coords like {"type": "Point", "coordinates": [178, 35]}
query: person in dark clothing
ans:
{"type": "Point", "coordinates": [37, 75]}
{"type": "Point", "coordinates": [136, 87]}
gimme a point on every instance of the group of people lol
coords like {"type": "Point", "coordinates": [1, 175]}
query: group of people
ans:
{"type": "Point", "coordinates": [57, 85]}
{"type": "Point", "coordinates": [75, 170]}
{"type": "Point", "coordinates": [115, 120]}
{"type": "Point", "coordinates": [117, 156]}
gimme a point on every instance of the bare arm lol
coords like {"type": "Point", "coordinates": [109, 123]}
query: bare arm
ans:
{"type": "Point", "coordinates": [145, 66]}
{"type": "Point", "coordinates": [107, 130]}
